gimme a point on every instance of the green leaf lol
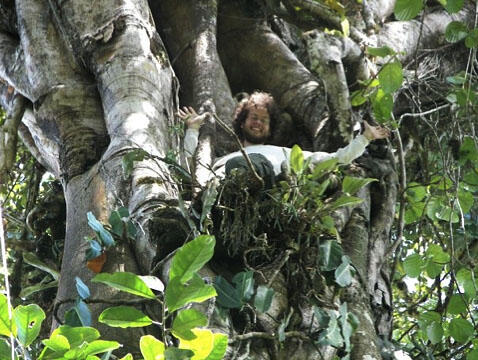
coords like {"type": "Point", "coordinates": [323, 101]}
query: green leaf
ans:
{"type": "Point", "coordinates": [125, 281]}
{"type": "Point", "coordinates": [219, 347]}
{"type": "Point", "coordinates": [244, 282]}
{"type": "Point", "coordinates": [94, 250]}
{"type": "Point", "coordinates": [323, 167]}
{"type": "Point", "coordinates": [465, 280]}
{"type": "Point", "coordinates": [380, 51]}
{"type": "Point", "coordinates": [27, 320]}
{"type": "Point", "coordinates": [472, 355]}
{"type": "Point", "coordinates": [357, 98]}
{"type": "Point", "coordinates": [127, 357]}
{"type": "Point", "coordinates": [124, 317]}
{"type": "Point", "coordinates": [130, 158]}
{"type": "Point", "coordinates": [331, 335]}
{"type": "Point", "coordinates": [82, 288]}
{"type": "Point", "coordinates": [351, 185]}
{"type": "Point", "coordinates": [227, 295]}
{"type": "Point", "coordinates": [322, 317]}
{"type": "Point", "coordinates": [173, 353]}
{"type": "Point", "coordinates": [202, 345]}
{"type": "Point", "coordinates": [5, 350]}
{"type": "Point", "coordinates": [185, 321]}
{"type": "Point", "coordinates": [296, 159]}
{"type": "Point", "coordinates": [407, 9]}
{"type": "Point", "coordinates": [461, 330]}
{"type": "Point", "coordinates": [435, 332]}
{"type": "Point", "coordinates": [413, 265]}
{"type": "Point", "coordinates": [191, 257]}
{"type": "Point", "coordinates": [382, 106]}
{"type": "Point", "coordinates": [77, 335]}
{"type": "Point", "coordinates": [151, 348]}
{"type": "Point", "coordinates": [468, 150]}
{"type": "Point", "coordinates": [72, 319]}
{"type": "Point", "coordinates": [83, 312]}
{"type": "Point", "coordinates": [58, 343]}
{"type": "Point", "coordinates": [391, 77]}
{"type": "Point", "coordinates": [345, 201]}
{"type": "Point", "coordinates": [471, 40]}
{"type": "Point", "coordinates": [330, 255]}
{"type": "Point", "coordinates": [457, 304]}
{"type": "Point", "coordinates": [103, 235]}
{"type": "Point", "coordinates": [453, 6]}
{"type": "Point", "coordinates": [456, 31]}
{"type": "Point", "coordinates": [177, 295]}
{"type": "Point", "coordinates": [5, 322]}
{"type": "Point", "coordinates": [117, 220]}
{"type": "Point", "coordinates": [344, 273]}
{"type": "Point", "coordinates": [100, 346]}
{"type": "Point", "coordinates": [32, 259]}
{"type": "Point", "coordinates": [263, 298]}
{"type": "Point", "coordinates": [466, 200]}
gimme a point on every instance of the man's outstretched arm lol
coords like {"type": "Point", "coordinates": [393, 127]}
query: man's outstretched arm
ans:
{"type": "Point", "coordinates": [356, 147]}
{"type": "Point", "coordinates": [193, 123]}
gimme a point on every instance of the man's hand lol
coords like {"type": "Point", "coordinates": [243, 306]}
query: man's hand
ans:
{"type": "Point", "coordinates": [192, 119]}
{"type": "Point", "coordinates": [375, 132]}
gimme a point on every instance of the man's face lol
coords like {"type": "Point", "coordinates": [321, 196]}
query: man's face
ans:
{"type": "Point", "coordinates": [256, 127]}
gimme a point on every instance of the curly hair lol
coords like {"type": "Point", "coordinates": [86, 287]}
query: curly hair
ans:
{"type": "Point", "coordinates": [256, 99]}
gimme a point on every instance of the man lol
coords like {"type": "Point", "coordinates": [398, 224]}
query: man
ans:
{"type": "Point", "coordinates": [254, 122]}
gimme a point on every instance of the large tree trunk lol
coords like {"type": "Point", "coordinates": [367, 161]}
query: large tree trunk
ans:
{"type": "Point", "coordinates": [93, 83]}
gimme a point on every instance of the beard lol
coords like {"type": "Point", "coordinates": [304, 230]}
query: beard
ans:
{"type": "Point", "coordinates": [256, 139]}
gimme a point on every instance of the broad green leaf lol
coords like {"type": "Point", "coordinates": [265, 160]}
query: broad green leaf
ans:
{"type": "Point", "coordinates": [357, 98]}
{"type": "Point", "coordinates": [57, 343]}
{"type": "Point", "coordinates": [456, 31]}
{"type": "Point", "coordinates": [185, 321]}
{"type": "Point", "coordinates": [94, 250]}
{"type": "Point", "coordinates": [330, 255]}
{"type": "Point", "coordinates": [380, 52]}
{"type": "Point", "coordinates": [127, 357]}
{"type": "Point", "coordinates": [124, 317]}
{"type": "Point", "coordinates": [101, 346]}
{"type": "Point", "coordinates": [351, 185]}
{"type": "Point", "coordinates": [407, 9]}
{"type": "Point", "coordinates": [244, 282]}
{"type": "Point", "coordinates": [125, 281]}
{"type": "Point", "coordinates": [5, 350]}
{"type": "Point", "coordinates": [191, 257]}
{"type": "Point", "coordinates": [130, 158]}
{"type": "Point", "coordinates": [345, 201]}
{"type": "Point", "coordinates": [344, 273]}
{"type": "Point", "coordinates": [76, 353]}
{"type": "Point", "coordinates": [427, 318]}
{"type": "Point", "coordinates": [461, 330]}
{"type": "Point", "coordinates": [414, 212]}
{"type": "Point", "coordinates": [172, 353]}
{"type": "Point", "coordinates": [33, 260]}
{"type": "Point", "coordinates": [457, 304]}
{"type": "Point", "coordinates": [5, 322]}
{"type": "Point", "coordinates": [77, 335]}
{"type": "Point", "coordinates": [152, 282]}
{"type": "Point", "coordinates": [465, 280]}
{"type": "Point", "coordinates": [263, 298]}
{"type": "Point", "coordinates": [331, 335]}
{"type": "Point", "coordinates": [458, 79]}
{"type": "Point", "coordinates": [435, 332]}
{"type": "Point", "coordinates": [436, 253]}
{"type": "Point", "coordinates": [227, 295]}
{"type": "Point", "coordinates": [177, 295]}
{"type": "Point", "coordinates": [452, 6]}
{"type": "Point", "coordinates": [322, 317]}
{"type": "Point", "coordinates": [296, 159]}
{"type": "Point", "coordinates": [27, 291]}
{"type": "Point", "coordinates": [415, 192]}
{"type": "Point", "coordinates": [72, 319]}
{"type": "Point", "coordinates": [151, 348]}
{"type": "Point", "coordinates": [413, 265]}
{"type": "Point", "coordinates": [471, 178]}
{"type": "Point", "coordinates": [472, 355]}
{"type": "Point", "coordinates": [82, 288]}
{"type": "Point", "coordinates": [201, 345]}
{"type": "Point", "coordinates": [447, 214]}
{"type": "Point", "coordinates": [84, 313]}
{"type": "Point", "coordinates": [323, 167]}
{"type": "Point", "coordinates": [103, 234]}
{"type": "Point", "coordinates": [466, 200]}
{"type": "Point", "coordinates": [219, 347]}
{"type": "Point", "coordinates": [382, 106]}
{"type": "Point", "coordinates": [433, 269]}
{"type": "Point", "coordinates": [27, 320]}
{"type": "Point", "coordinates": [471, 40]}
{"type": "Point", "coordinates": [117, 220]}
{"type": "Point", "coordinates": [468, 150]}
{"type": "Point", "coordinates": [391, 77]}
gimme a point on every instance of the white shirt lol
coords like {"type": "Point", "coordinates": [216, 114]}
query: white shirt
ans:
{"type": "Point", "coordinates": [277, 154]}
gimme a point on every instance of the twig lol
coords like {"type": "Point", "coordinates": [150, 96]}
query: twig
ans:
{"type": "Point", "coordinates": [233, 134]}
